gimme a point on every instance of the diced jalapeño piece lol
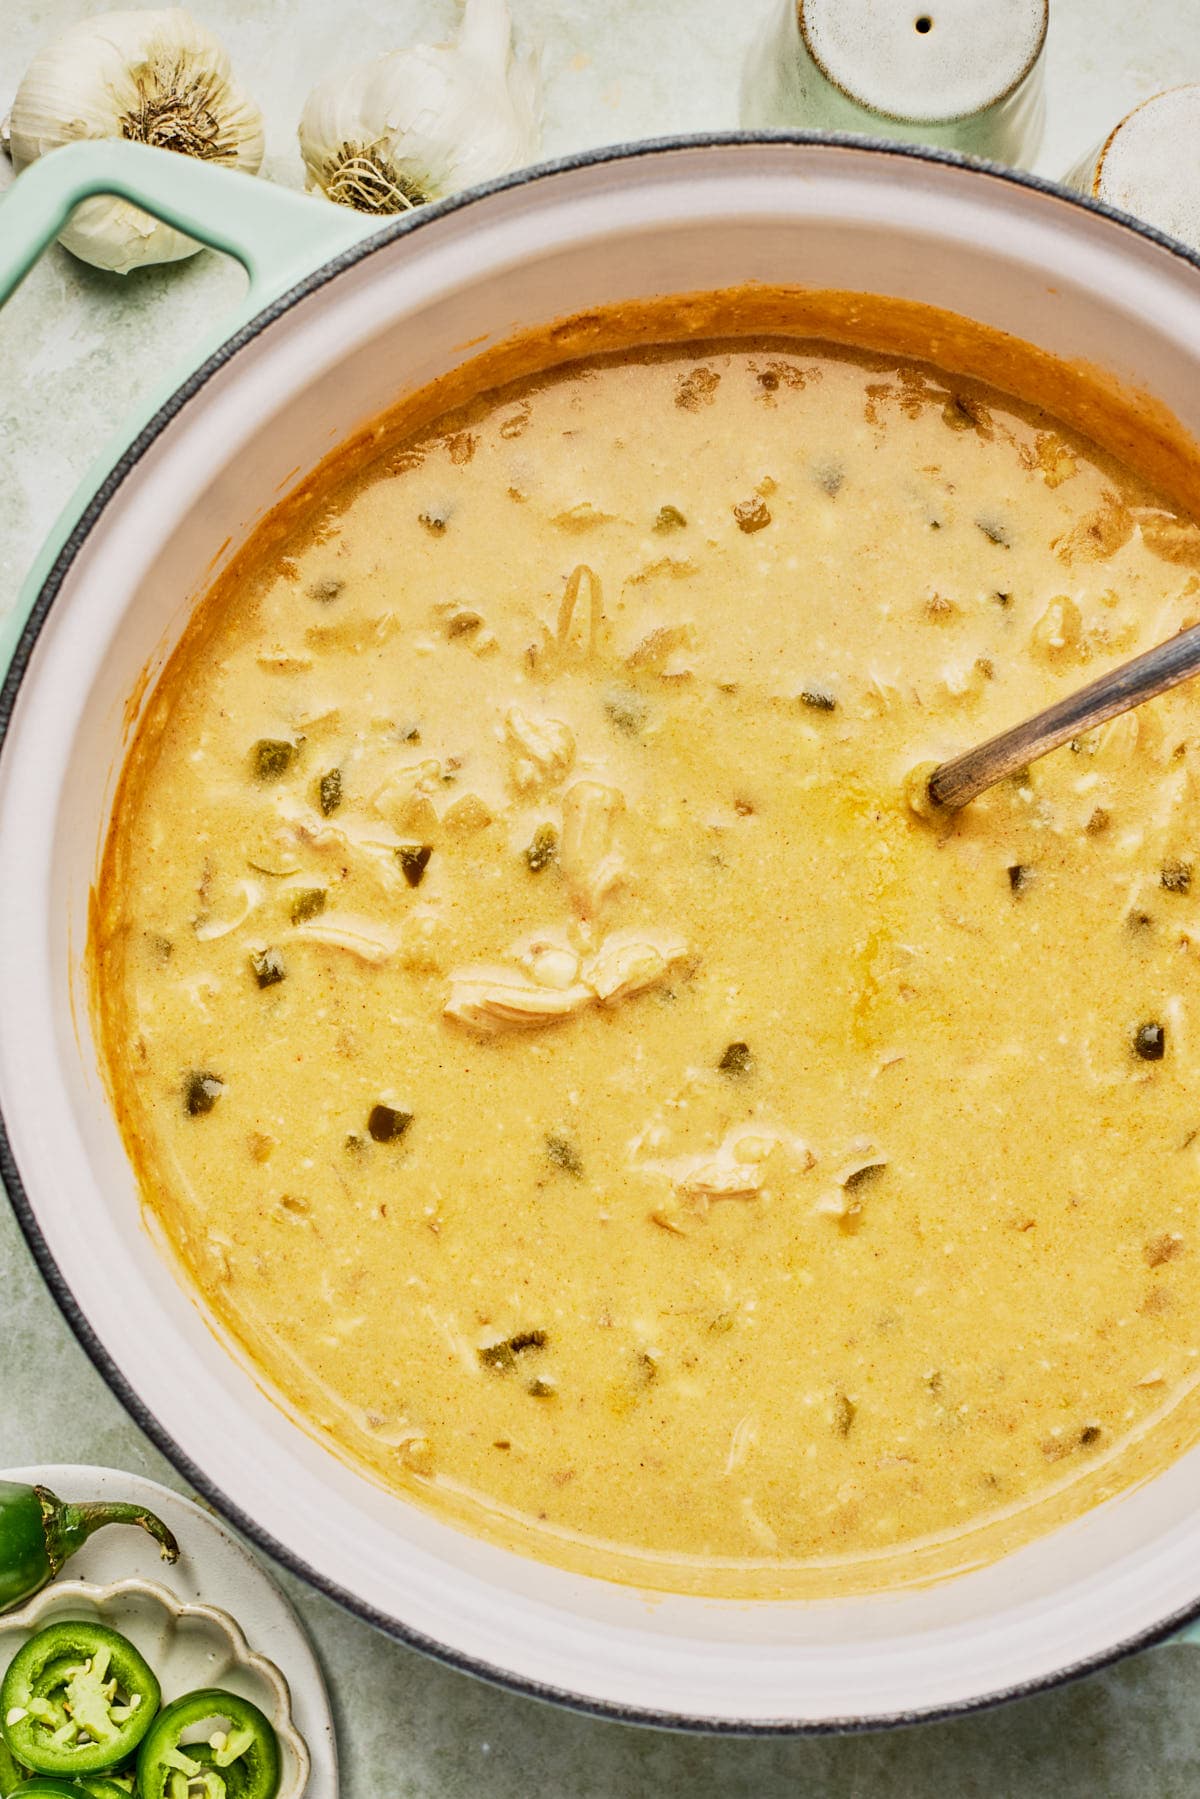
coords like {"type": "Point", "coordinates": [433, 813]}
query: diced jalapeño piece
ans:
{"type": "Point", "coordinates": [414, 860]}
{"type": "Point", "coordinates": [271, 758]}
{"type": "Point", "coordinates": [267, 965]}
{"type": "Point", "coordinates": [329, 791]}
{"type": "Point", "coordinates": [542, 848]}
{"type": "Point", "coordinates": [201, 1091]}
{"type": "Point", "coordinates": [307, 902]}
{"type": "Point", "coordinates": [387, 1124]}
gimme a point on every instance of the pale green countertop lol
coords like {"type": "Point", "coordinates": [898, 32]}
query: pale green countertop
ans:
{"type": "Point", "coordinates": [76, 348]}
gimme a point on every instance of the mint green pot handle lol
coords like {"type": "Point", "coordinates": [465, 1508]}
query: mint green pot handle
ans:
{"type": "Point", "coordinates": [278, 237]}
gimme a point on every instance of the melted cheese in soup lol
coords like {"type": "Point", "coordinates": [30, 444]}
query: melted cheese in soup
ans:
{"type": "Point", "coordinates": [564, 1061]}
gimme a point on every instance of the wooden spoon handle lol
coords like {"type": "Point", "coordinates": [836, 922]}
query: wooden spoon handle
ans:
{"type": "Point", "coordinates": [960, 780]}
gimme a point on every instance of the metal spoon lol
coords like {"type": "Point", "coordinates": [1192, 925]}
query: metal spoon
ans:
{"type": "Point", "coordinates": [963, 778]}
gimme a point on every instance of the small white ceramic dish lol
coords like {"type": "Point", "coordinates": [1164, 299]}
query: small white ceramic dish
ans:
{"type": "Point", "coordinates": [256, 1647]}
{"type": "Point", "coordinates": [188, 1646]}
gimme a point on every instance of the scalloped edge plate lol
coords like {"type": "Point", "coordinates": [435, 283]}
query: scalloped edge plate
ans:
{"type": "Point", "coordinates": [187, 1646]}
{"type": "Point", "coordinates": [215, 1574]}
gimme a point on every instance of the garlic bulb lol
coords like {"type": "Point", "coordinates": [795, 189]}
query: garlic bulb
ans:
{"type": "Point", "coordinates": [420, 123]}
{"type": "Point", "coordinates": [154, 77]}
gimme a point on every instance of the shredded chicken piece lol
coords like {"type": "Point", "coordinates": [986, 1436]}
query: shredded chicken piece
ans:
{"type": "Point", "coordinates": [551, 986]}
{"type": "Point", "coordinates": [1058, 633]}
{"type": "Point", "coordinates": [541, 750]}
{"type": "Point", "coordinates": [745, 1435]}
{"type": "Point", "coordinates": [360, 937]}
{"type": "Point", "coordinates": [1050, 455]}
{"type": "Point", "coordinates": [503, 999]}
{"type": "Point", "coordinates": [566, 611]}
{"type": "Point", "coordinates": [719, 1179]}
{"type": "Point", "coordinates": [582, 517]}
{"type": "Point", "coordinates": [238, 903]}
{"type": "Point", "coordinates": [627, 964]}
{"type": "Point", "coordinates": [1175, 540]}
{"type": "Point", "coordinates": [591, 865]}
{"type": "Point", "coordinates": [281, 661]}
{"type": "Point", "coordinates": [736, 1169]}
{"type": "Point", "coordinates": [551, 964]}
{"type": "Point", "coordinates": [1099, 535]}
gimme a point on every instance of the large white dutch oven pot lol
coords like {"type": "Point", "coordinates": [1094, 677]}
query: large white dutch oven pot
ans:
{"type": "Point", "coordinates": [383, 317]}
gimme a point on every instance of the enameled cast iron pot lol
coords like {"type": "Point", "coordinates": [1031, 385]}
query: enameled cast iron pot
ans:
{"type": "Point", "coordinates": [315, 355]}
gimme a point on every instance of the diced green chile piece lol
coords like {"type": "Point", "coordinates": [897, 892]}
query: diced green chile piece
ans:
{"type": "Point", "coordinates": [1150, 1042]}
{"type": "Point", "coordinates": [542, 848]}
{"type": "Point", "coordinates": [307, 902]}
{"type": "Point", "coordinates": [329, 792]}
{"type": "Point", "coordinates": [669, 518]}
{"type": "Point", "coordinates": [201, 1091]}
{"type": "Point", "coordinates": [563, 1153]}
{"type": "Point", "coordinates": [1176, 877]}
{"type": "Point", "coordinates": [819, 698]}
{"type": "Point", "coordinates": [535, 1339]}
{"type": "Point", "coordinates": [246, 1756]}
{"type": "Point", "coordinates": [1020, 876]}
{"type": "Point", "coordinates": [737, 1059]}
{"type": "Point", "coordinates": [59, 1709]}
{"type": "Point", "coordinates": [272, 757]}
{"type": "Point", "coordinates": [501, 1357]}
{"type": "Point", "coordinates": [268, 966]}
{"type": "Point", "coordinates": [627, 711]}
{"type": "Point", "coordinates": [39, 1532]}
{"type": "Point", "coordinates": [387, 1124]}
{"type": "Point", "coordinates": [414, 860]}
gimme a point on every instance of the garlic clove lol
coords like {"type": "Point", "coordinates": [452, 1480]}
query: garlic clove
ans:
{"type": "Point", "coordinates": [423, 122]}
{"type": "Point", "coordinates": [156, 78]}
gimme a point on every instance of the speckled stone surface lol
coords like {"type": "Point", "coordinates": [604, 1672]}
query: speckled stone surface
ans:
{"type": "Point", "coordinates": [76, 349]}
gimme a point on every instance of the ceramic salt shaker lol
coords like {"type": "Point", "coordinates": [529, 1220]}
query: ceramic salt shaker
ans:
{"type": "Point", "coordinates": [962, 74]}
{"type": "Point", "coordinates": [1149, 164]}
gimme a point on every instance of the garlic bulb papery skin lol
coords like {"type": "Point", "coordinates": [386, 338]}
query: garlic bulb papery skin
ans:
{"type": "Point", "coordinates": [421, 123]}
{"type": "Point", "coordinates": [153, 77]}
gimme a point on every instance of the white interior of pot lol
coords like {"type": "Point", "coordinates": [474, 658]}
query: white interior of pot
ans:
{"type": "Point", "coordinates": [690, 219]}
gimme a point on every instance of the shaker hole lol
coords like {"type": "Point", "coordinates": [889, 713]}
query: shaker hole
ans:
{"type": "Point", "coordinates": [924, 23]}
